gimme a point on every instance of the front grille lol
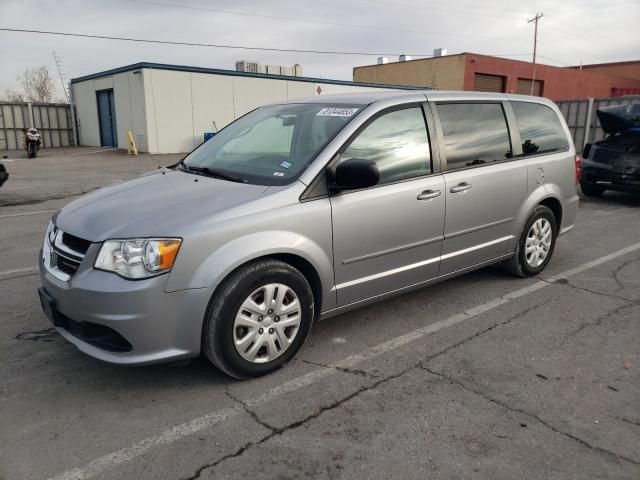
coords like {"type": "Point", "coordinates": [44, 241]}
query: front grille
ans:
{"type": "Point", "coordinates": [63, 256]}
{"type": "Point", "coordinates": [76, 244]}
{"type": "Point", "coordinates": [67, 265]}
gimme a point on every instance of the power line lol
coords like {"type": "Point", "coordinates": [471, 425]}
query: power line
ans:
{"type": "Point", "coordinates": [210, 45]}
{"type": "Point", "coordinates": [215, 45]}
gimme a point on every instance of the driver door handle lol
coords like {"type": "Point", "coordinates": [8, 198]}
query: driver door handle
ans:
{"type": "Point", "coordinates": [429, 194]}
{"type": "Point", "coordinates": [461, 187]}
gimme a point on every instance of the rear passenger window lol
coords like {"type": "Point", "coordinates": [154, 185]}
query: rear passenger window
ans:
{"type": "Point", "coordinates": [540, 128]}
{"type": "Point", "coordinates": [397, 142]}
{"type": "Point", "coordinates": [474, 134]}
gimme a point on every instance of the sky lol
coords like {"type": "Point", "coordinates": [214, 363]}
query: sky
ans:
{"type": "Point", "coordinates": [571, 32]}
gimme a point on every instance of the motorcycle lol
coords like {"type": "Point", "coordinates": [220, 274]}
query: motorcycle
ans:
{"type": "Point", "coordinates": [31, 142]}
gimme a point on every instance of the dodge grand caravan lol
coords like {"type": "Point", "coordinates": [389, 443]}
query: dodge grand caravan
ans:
{"type": "Point", "coordinates": [304, 210]}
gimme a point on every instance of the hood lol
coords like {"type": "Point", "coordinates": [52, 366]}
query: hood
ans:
{"type": "Point", "coordinates": [163, 203]}
{"type": "Point", "coordinates": [619, 118]}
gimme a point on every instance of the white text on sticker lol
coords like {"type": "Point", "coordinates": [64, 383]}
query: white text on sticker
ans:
{"type": "Point", "coordinates": [336, 112]}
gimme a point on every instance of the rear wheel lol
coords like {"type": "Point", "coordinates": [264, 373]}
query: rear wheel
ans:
{"type": "Point", "coordinates": [31, 150]}
{"type": "Point", "coordinates": [591, 190]}
{"type": "Point", "coordinates": [258, 319]}
{"type": "Point", "coordinates": [536, 244]}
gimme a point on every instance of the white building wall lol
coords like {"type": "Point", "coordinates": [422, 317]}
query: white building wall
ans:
{"type": "Point", "coordinates": [128, 90]}
{"type": "Point", "coordinates": [169, 111]}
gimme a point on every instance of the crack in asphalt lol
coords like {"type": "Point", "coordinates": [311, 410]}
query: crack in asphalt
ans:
{"type": "Point", "coordinates": [566, 282]}
{"type": "Point", "coordinates": [532, 416]}
{"type": "Point", "coordinates": [597, 322]}
{"type": "Point", "coordinates": [628, 420]}
{"type": "Point", "coordinates": [46, 335]}
{"type": "Point", "coordinates": [279, 431]}
{"type": "Point", "coordinates": [251, 413]}
{"type": "Point", "coordinates": [353, 371]}
{"type": "Point", "coordinates": [615, 274]}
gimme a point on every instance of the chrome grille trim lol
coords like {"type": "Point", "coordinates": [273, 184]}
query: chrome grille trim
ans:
{"type": "Point", "coordinates": [52, 253]}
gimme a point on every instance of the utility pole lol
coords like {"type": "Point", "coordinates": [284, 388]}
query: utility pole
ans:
{"type": "Point", "coordinates": [535, 46]}
{"type": "Point", "coordinates": [58, 61]}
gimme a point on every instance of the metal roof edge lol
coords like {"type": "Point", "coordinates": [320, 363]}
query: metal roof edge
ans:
{"type": "Point", "coordinates": [234, 73]}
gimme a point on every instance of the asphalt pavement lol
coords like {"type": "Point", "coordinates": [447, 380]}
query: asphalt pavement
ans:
{"type": "Point", "coordinates": [482, 376]}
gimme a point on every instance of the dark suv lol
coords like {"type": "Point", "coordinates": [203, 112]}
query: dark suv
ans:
{"type": "Point", "coordinates": [614, 163]}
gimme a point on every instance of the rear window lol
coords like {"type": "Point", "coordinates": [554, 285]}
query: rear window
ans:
{"type": "Point", "coordinates": [474, 134]}
{"type": "Point", "coordinates": [540, 129]}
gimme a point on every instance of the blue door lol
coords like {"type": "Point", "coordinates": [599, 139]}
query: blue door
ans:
{"type": "Point", "coordinates": [107, 118]}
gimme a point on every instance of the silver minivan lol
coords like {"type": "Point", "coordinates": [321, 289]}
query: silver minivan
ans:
{"type": "Point", "coordinates": [300, 211]}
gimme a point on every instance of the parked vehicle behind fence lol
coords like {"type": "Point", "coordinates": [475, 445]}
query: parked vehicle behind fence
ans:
{"type": "Point", "coordinates": [301, 211]}
{"type": "Point", "coordinates": [614, 163]}
{"type": "Point", "coordinates": [4, 175]}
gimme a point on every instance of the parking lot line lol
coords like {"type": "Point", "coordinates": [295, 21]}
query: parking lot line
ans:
{"type": "Point", "coordinates": [39, 212]}
{"type": "Point", "coordinates": [99, 465]}
{"type": "Point", "coordinates": [18, 270]}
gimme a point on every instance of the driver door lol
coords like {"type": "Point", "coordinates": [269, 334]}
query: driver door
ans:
{"type": "Point", "coordinates": [389, 236]}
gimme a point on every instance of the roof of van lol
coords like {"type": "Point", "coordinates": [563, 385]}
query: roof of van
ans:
{"type": "Point", "coordinates": [366, 98]}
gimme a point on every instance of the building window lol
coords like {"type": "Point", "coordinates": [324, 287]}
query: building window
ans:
{"type": "Point", "coordinates": [488, 83]}
{"type": "Point", "coordinates": [524, 87]}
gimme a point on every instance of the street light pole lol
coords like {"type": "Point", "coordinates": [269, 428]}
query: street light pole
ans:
{"type": "Point", "coordinates": [535, 46]}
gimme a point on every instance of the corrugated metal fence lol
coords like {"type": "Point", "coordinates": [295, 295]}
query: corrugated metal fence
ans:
{"type": "Point", "coordinates": [53, 121]}
{"type": "Point", "coordinates": [582, 119]}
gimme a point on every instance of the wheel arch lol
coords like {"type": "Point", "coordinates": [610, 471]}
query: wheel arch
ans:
{"type": "Point", "coordinates": [548, 195]}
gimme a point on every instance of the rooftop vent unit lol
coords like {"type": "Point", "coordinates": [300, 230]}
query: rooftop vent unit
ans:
{"type": "Point", "coordinates": [383, 60]}
{"type": "Point", "coordinates": [404, 58]}
{"type": "Point", "coordinates": [439, 52]}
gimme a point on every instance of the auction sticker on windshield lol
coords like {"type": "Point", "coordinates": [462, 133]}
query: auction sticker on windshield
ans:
{"type": "Point", "coordinates": [337, 112]}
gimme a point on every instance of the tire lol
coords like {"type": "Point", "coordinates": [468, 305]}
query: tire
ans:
{"type": "Point", "coordinates": [221, 331]}
{"type": "Point", "coordinates": [591, 190]}
{"type": "Point", "coordinates": [518, 264]}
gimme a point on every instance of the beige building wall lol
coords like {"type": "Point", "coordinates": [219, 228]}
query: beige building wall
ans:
{"type": "Point", "coordinates": [441, 73]}
{"type": "Point", "coordinates": [169, 111]}
{"type": "Point", "coordinates": [128, 92]}
{"type": "Point", "coordinates": [182, 106]}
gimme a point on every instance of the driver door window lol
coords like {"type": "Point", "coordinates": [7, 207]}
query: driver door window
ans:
{"type": "Point", "coordinates": [397, 142]}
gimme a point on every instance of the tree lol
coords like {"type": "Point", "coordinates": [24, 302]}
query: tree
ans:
{"type": "Point", "coordinates": [13, 96]}
{"type": "Point", "coordinates": [36, 85]}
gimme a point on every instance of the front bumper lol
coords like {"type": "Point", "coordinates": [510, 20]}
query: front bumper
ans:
{"type": "Point", "coordinates": [157, 326]}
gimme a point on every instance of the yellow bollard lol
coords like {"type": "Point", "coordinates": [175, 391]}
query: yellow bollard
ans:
{"type": "Point", "coordinates": [132, 145]}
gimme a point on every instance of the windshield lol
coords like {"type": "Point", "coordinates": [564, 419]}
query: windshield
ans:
{"type": "Point", "coordinates": [271, 145]}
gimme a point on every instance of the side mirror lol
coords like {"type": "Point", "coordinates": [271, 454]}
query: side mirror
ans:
{"type": "Point", "coordinates": [353, 174]}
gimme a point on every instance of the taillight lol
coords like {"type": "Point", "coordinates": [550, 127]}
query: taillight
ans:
{"type": "Point", "coordinates": [578, 165]}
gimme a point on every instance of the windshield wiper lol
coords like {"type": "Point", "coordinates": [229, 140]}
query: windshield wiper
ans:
{"type": "Point", "coordinates": [211, 172]}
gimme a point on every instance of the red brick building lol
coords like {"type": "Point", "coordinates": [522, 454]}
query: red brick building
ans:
{"type": "Point", "coordinates": [471, 71]}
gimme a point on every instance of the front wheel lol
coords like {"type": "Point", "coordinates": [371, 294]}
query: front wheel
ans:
{"type": "Point", "coordinates": [258, 319]}
{"type": "Point", "coordinates": [536, 244]}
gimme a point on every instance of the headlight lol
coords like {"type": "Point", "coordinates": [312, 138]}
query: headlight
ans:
{"type": "Point", "coordinates": [138, 258]}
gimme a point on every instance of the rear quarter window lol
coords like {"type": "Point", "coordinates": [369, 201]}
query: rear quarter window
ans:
{"type": "Point", "coordinates": [540, 129]}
